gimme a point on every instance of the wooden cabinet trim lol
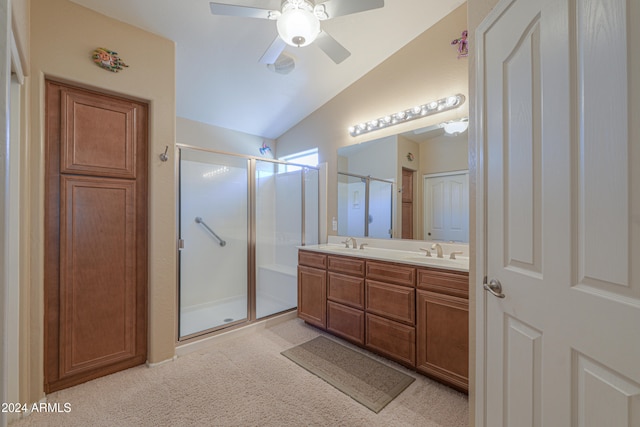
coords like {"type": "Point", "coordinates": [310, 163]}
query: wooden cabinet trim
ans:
{"type": "Point", "coordinates": [346, 322]}
{"type": "Point", "coordinates": [392, 301]}
{"type": "Point", "coordinates": [346, 290]}
{"type": "Point", "coordinates": [443, 338]}
{"type": "Point", "coordinates": [312, 296]}
{"type": "Point", "coordinates": [392, 339]}
{"type": "Point", "coordinates": [312, 259]}
{"type": "Point", "coordinates": [341, 264]}
{"type": "Point", "coordinates": [93, 147]}
{"type": "Point", "coordinates": [393, 273]}
{"type": "Point", "coordinates": [444, 281]}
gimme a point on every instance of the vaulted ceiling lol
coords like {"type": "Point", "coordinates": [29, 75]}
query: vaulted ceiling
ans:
{"type": "Point", "coordinates": [221, 82]}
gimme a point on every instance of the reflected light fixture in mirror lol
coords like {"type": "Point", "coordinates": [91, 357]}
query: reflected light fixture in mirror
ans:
{"type": "Point", "coordinates": [419, 111]}
{"type": "Point", "coordinates": [455, 127]}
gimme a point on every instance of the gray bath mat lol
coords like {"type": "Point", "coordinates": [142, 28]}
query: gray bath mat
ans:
{"type": "Point", "coordinates": [364, 379]}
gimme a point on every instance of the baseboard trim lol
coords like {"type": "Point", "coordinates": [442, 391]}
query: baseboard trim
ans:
{"type": "Point", "coordinates": [156, 364]}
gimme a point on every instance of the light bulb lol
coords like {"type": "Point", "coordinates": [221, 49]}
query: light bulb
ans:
{"type": "Point", "coordinates": [298, 27]}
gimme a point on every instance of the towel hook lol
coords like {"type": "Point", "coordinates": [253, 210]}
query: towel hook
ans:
{"type": "Point", "coordinates": [164, 156]}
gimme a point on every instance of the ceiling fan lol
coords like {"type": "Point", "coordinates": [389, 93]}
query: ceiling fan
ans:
{"type": "Point", "coordinates": [298, 23]}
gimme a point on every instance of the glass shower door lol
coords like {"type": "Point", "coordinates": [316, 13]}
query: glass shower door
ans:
{"type": "Point", "coordinates": [214, 240]}
{"type": "Point", "coordinates": [286, 204]}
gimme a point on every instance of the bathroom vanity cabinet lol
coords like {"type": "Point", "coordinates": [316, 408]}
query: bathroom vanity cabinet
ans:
{"type": "Point", "coordinates": [312, 288]}
{"type": "Point", "coordinates": [414, 315]}
{"type": "Point", "coordinates": [442, 306]}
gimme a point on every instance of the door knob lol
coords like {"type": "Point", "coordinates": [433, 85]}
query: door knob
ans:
{"type": "Point", "coordinates": [494, 287]}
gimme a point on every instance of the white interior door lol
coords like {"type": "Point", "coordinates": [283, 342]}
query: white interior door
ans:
{"type": "Point", "coordinates": [446, 199]}
{"type": "Point", "coordinates": [559, 214]}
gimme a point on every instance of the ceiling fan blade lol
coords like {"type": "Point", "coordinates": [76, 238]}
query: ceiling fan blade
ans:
{"type": "Point", "coordinates": [332, 48]}
{"type": "Point", "coordinates": [335, 8]}
{"type": "Point", "coordinates": [236, 10]}
{"type": "Point", "coordinates": [273, 52]}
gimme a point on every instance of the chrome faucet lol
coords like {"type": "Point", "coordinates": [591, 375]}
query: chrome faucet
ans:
{"type": "Point", "coordinates": [438, 249]}
{"type": "Point", "coordinates": [354, 244]}
{"type": "Point", "coordinates": [428, 252]}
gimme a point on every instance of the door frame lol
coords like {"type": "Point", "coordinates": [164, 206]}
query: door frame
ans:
{"type": "Point", "coordinates": [478, 266]}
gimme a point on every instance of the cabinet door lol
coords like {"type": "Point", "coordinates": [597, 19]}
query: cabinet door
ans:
{"type": "Point", "coordinates": [345, 322]}
{"type": "Point", "coordinates": [392, 301]}
{"type": "Point", "coordinates": [346, 290]}
{"type": "Point", "coordinates": [443, 338]}
{"type": "Point", "coordinates": [95, 227]}
{"type": "Point", "coordinates": [312, 296]}
{"type": "Point", "coordinates": [391, 339]}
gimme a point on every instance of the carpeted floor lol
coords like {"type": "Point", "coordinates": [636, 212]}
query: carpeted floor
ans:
{"type": "Point", "coordinates": [244, 381]}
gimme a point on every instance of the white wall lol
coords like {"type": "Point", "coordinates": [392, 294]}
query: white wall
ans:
{"type": "Point", "coordinates": [216, 138]}
{"type": "Point", "coordinates": [425, 69]}
{"type": "Point", "coordinates": [5, 78]}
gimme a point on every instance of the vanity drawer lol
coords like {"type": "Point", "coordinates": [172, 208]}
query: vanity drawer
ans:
{"type": "Point", "coordinates": [392, 339]}
{"type": "Point", "coordinates": [444, 281]}
{"type": "Point", "coordinates": [340, 264]}
{"type": "Point", "coordinates": [392, 273]}
{"type": "Point", "coordinates": [312, 259]}
{"type": "Point", "coordinates": [345, 289]}
{"type": "Point", "coordinates": [392, 301]}
{"type": "Point", "coordinates": [345, 322]}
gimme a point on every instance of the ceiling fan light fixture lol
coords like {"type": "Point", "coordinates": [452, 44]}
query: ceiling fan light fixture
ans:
{"type": "Point", "coordinates": [456, 127]}
{"type": "Point", "coordinates": [297, 25]}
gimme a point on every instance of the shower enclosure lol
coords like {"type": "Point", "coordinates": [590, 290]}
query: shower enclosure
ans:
{"type": "Point", "coordinates": [240, 222]}
{"type": "Point", "coordinates": [365, 206]}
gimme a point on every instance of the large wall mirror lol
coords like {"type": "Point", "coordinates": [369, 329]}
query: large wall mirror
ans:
{"type": "Point", "coordinates": [412, 185]}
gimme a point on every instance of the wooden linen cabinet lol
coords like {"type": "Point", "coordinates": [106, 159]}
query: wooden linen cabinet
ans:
{"type": "Point", "coordinates": [95, 235]}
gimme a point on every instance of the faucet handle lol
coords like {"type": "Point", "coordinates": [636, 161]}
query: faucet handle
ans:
{"type": "Point", "coordinates": [362, 245]}
{"type": "Point", "coordinates": [428, 252]}
{"type": "Point", "coordinates": [346, 242]}
{"type": "Point", "coordinates": [454, 253]}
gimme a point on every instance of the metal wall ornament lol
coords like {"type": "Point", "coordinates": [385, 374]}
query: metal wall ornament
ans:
{"type": "Point", "coordinates": [108, 59]}
{"type": "Point", "coordinates": [463, 45]}
{"type": "Point", "coordinates": [265, 148]}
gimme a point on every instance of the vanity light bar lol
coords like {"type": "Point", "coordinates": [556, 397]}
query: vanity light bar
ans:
{"type": "Point", "coordinates": [424, 110]}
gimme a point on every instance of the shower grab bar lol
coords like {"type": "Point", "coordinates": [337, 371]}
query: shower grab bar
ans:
{"type": "Point", "coordinates": [213, 233]}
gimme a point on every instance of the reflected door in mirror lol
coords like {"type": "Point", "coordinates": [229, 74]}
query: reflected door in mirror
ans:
{"type": "Point", "coordinates": [446, 207]}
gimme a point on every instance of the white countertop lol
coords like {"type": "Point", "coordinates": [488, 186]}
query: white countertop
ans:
{"type": "Point", "coordinates": [461, 263]}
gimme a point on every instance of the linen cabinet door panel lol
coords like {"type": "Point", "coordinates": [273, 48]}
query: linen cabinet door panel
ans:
{"type": "Point", "coordinates": [98, 135]}
{"type": "Point", "coordinates": [392, 301]}
{"type": "Point", "coordinates": [345, 322]}
{"type": "Point", "coordinates": [391, 339]}
{"type": "Point", "coordinates": [312, 296]}
{"type": "Point", "coordinates": [98, 274]}
{"type": "Point", "coordinates": [345, 289]}
{"type": "Point", "coordinates": [443, 338]}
